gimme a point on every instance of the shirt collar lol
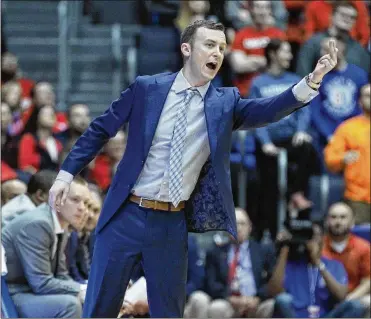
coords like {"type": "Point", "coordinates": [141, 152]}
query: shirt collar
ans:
{"type": "Point", "coordinates": [181, 84]}
{"type": "Point", "coordinates": [57, 226]}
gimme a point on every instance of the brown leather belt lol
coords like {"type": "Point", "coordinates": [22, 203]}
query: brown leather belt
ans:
{"type": "Point", "coordinates": [156, 205]}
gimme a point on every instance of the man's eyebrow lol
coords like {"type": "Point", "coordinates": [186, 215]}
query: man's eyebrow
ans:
{"type": "Point", "coordinates": [214, 42]}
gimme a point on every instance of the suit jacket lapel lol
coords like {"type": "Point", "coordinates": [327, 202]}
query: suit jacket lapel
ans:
{"type": "Point", "coordinates": [213, 112]}
{"type": "Point", "coordinates": [157, 94]}
{"type": "Point", "coordinates": [255, 257]}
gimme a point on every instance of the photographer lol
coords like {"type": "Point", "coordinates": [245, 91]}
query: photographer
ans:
{"type": "Point", "coordinates": [305, 284]}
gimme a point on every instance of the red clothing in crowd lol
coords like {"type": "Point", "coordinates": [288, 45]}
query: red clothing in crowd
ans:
{"type": "Point", "coordinates": [101, 172]}
{"type": "Point", "coordinates": [34, 154]}
{"type": "Point", "coordinates": [318, 18]}
{"type": "Point", "coordinates": [253, 41]}
{"type": "Point", "coordinates": [7, 172]}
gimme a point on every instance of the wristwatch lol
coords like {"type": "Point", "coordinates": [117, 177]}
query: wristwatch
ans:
{"type": "Point", "coordinates": [313, 85]}
{"type": "Point", "coordinates": [322, 266]}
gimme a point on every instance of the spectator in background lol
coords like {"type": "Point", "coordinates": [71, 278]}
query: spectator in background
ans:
{"type": "Point", "coordinates": [159, 12]}
{"type": "Point", "coordinates": [34, 243]}
{"type": "Point", "coordinates": [338, 98]}
{"type": "Point", "coordinates": [341, 26]}
{"type": "Point", "coordinates": [11, 189]}
{"type": "Point", "coordinates": [290, 133]}
{"type": "Point", "coordinates": [105, 164]}
{"type": "Point", "coordinates": [352, 251]}
{"type": "Point", "coordinates": [318, 18]}
{"type": "Point", "coordinates": [40, 149]}
{"type": "Point", "coordinates": [78, 120]}
{"type": "Point", "coordinates": [235, 276]}
{"type": "Point", "coordinates": [247, 55]}
{"type": "Point", "coordinates": [78, 247]}
{"type": "Point", "coordinates": [37, 193]}
{"type": "Point", "coordinates": [10, 72]}
{"type": "Point", "coordinates": [349, 151]}
{"type": "Point", "coordinates": [11, 95]}
{"type": "Point", "coordinates": [310, 285]}
{"type": "Point", "coordinates": [9, 144]}
{"type": "Point", "coordinates": [43, 94]}
{"type": "Point", "coordinates": [238, 13]}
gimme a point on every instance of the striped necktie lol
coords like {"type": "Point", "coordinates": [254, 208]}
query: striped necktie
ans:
{"type": "Point", "coordinates": [177, 146]}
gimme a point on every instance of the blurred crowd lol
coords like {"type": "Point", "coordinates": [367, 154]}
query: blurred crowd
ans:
{"type": "Point", "coordinates": [271, 46]}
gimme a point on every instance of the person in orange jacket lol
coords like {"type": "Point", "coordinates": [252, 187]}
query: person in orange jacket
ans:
{"type": "Point", "coordinates": [349, 151]}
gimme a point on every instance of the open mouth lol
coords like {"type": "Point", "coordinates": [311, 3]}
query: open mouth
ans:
{"type": "Point", "coordinates": [211, 65]}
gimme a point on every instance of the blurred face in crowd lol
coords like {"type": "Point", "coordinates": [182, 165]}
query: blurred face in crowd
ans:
{"type": "Point", "coordinates": [6, 117]}
{"type": "Point", "coordinates": [46, 118]}
{"type": "Point", "coordinates": [204, 56]}
{"type": "Point", "coordinates": [339, 220]}
{"type": "Point", "coordinates": [9, 66]}
{"type": "Point", "coordinates": [44, 94]}
{"type": "Point", "coordinates": [261, 11]}
{"type": "Point", "coordinates": [199, 6]}
{"type": "Point", "coordinates": [365, 98]}
{"type": "Point", "coordinates": [243, 225]}
{"type": "Point", "coordinates": [79, 117]}
{"type": "Point", "coordinates": [94, 207]}
{"type": "Point", "coordinates": [283, 55]}
{"type": "Point", "coordinates": [11, 189]}
{"type": "Point", "coordinates": [325, 48]}
{"type": "Point", "coordinates": [344, 18]}
{"type": "Point", "coordinates": [75, 209]}
{"type": "Point", "coordinates": [115, 147]}
{"type": "Point", "coordinates": [11, 94]}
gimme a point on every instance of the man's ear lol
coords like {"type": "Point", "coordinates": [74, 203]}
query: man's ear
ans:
{"type": "Point", "coordinates": [186, 49]}
{"type": "Point", "coordinates": [41, 197]}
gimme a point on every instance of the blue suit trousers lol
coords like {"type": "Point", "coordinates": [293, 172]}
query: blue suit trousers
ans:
{"type": "Point", "coordinates": [157, 239]}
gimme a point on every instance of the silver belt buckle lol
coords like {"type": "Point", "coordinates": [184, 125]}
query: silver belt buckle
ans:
{"type": "Point", "coordinates": [140, 202]}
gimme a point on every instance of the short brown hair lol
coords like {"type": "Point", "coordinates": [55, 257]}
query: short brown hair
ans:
{"type": "Point", "coordinates": [189, 32]}
{"type": "Point", "coordinates": [80, 180]}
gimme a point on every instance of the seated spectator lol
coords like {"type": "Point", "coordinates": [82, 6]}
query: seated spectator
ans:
{"type": "Point", "coordinates": [307, 285]}
{"type": "Point", "coordinates": [34, 242]}
{"type": "Point", "coordinates": [352, 251]}
{"type": "Point", "coordinates": [338, 98]}
{"type": "Point", "coordinates": [235, 276]}
{"type": "Point", "coordinates": [78, 121]}
{"type": "Point", "coordinates": [10, 72]}
{"type": "Point", "coordinates": [341, 26]}
{"type": "Point", "coordinates": [290, 133]}
{"type": "Point", "coordinates": [78, 247]}
{"type": "Point", "coordinates": [247, 55]}
{"type": "Point", "coordinates": [105, 164]}
{"type": "Point", "coordinates": [10, 189]}
{"type": "Point", "coordinates": [349, 152]}
{"type": "Point", "coordinates": [43, 94]}
{"type": "Point", "coordinates": [318, 16]}
{"type": "Point", "coordinates": [40, 149]}
{"type": "Point", "coordinates": [159, 12]}
{"type": "Point", "coordinates": [238, 13]}
{"type": "Point", "coordinates": [9, 144]}
{"type": "Point", "coordinates": [37, 193]}
{"type": "Point", "coordinates": [11, 95]}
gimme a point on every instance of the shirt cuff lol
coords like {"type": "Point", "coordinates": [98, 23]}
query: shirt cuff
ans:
{"type": "Point", "coordinates": [83, 287]}
{"type": "Point", "coordinates": [303, 92]}
{"type": "Point", "coordinates": [65, 177]}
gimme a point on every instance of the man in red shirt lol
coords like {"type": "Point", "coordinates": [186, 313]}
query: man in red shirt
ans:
{"type": "Point", "coordinates": [247, 55]}
{"type": "Point", "coordinates": [352, 251]}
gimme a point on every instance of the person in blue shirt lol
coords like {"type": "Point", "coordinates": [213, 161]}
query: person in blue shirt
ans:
{"type": "Point", "coordinates": [290, 133]}
{"type": "Point", "coordinates": [338, 98]}
{"type": "Point", "coordinates": [309, 285]}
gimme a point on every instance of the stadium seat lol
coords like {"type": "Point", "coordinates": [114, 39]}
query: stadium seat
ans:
{"type": "Point", "coordinates": [8, 309]}
{"type": "Point", "coordinates": [363, 231]}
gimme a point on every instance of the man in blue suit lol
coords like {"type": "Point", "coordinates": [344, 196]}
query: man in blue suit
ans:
{"type": "Point", "coordinates": [174, 176]}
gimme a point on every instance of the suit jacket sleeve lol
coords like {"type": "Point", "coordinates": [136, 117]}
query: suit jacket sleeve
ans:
{"type": "Point", "coordinates": [269, 263]}
{"type": "Point", "coordinates": [33, 246]}
{"type": "Point", "coordinates": [252, 113]}
{"type": "Point", "coordinates": [213, 282]}
{"type": "Point", "coordinates": [100, 131]}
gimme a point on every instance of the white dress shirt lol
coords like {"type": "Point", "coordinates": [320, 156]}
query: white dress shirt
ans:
{"type": "Point", "coordinates": [153, 181]}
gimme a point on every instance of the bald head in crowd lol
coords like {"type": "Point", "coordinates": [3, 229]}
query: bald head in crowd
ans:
{"type": "Point", "coordinates": [11, 189]}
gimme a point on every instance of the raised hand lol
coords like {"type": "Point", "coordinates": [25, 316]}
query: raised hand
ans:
{"type": "Point", "coordinates": [326, 63]}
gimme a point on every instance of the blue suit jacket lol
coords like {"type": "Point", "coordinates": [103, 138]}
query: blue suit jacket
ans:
{"type": "Point", "coordinates": [217, 269]}
{"type": "Point", "coordinates": [210, 206]}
